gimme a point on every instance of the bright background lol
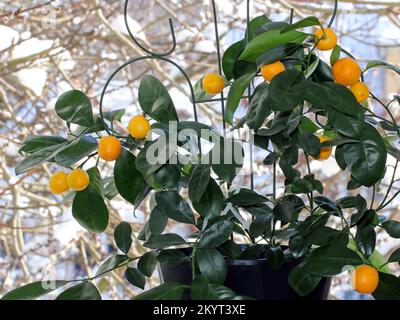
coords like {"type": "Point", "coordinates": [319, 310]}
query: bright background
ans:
{"type": "Point", "coordinates": [48, 47]}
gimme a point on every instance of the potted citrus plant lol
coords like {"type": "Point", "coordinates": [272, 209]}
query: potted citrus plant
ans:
{"type": "Point", "coordinates": [283, 245]}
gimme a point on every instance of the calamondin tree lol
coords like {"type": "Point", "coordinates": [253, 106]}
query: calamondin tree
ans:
{"type": "Point", "coordinates": [300, 107]}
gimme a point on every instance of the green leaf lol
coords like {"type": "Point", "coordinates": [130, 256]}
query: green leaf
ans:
{"type": "Point", "coordinates": [166, 291]}
{"type": "Point", "coordinates": [277, 53]}
{"type": "Point", "coordinates": [174, 206]}
{"type": "Point", "coordinates": [147, 263]}
{"type": "Point", "coordinates": [212, 202]}
{"type": "Point", "coordinates": [272, 25]}
{"type": "Point", "coordinates": [306, 125]}
{"type": "Point", "coordinates": [323, 236]}
{"type": "Point", "coordinates": [39, 157]}
{"type": "Point", "coordinates": [298, 246]}
{"type": "Point", "coordinates": [381, 64]}
{"type": "Point", "coordinates": [198, 182]}
{"type": "Point", "coordinates": [348, 126]}
{"type": "Point", "coordinates": [303, 23]}
{"type": "Point", "coordinates": [286, 91]}
{"type": "Point", "coordinates": [335, 55]}
{"type": "Point", "coordinates": [89, 209]}
{"type": "Point", "coordinates": [395, 256]}
{"type": "Point", "coordinates": [161, 154]}
{"type": "Point", "coordinates": [260, 224]}
{"type": "Point", "coordinates": [366, 159]}
{"type": "Point", "coordinates": [76, 150]}
{"type": "Point", "coordinates": [258, 107]}
{"type": "Point", "coordinates": [342, 99]}
{"type": "Point", "coordinates": [272, 158]}
{"type": "Point", "coordinates": [171, 257]}
{"type": "Point", "coordinates": [96, 181]}
{"type": "Point", "coordinates": [34, 290]}
{"type": "Point", "coordinates": [135, 277]}
{"type": "Point", "coordinates": [235, 95]}
{"type": "Point", "coordinates": [230, 249]}
{"type": "Point", "coordinates": [166, 177]}
{"type": "Point", "coordinates": [155, 100]}
{"type": "Point", "coordinates": [157, 221]}
{"type": "Point", "coordinates": [75, 107]}
{"type": "Point", "coordinates": [123, 236]}
{"type": "Point", "coordinates": [128, 180]}
{"type": "Point", "coordinates": [366, 239]}
{"type": "Point", "coordinates": [268, 40]}
{"type": "Point", "coordinates": [302, 281]}
{"type": "Point", "coordinates": [312, 223]}
{"type": "Point", "coordinates": [230, 58]}
{"type": "Point", "coordinates": [330, 260]}
{"type": "Point", "coordinates": [246, 198]}
{"type": "Point", "coordinates": [275, 257]}
{"type": "Point", "coordinates": [284, 211]}
{"type": "Point", "coordinates": [33, 144]}
{"type": "Point", "coordinates": [199, 288]}
{"type": "Point", "coordinates": [254, 25]}
{"type": "Point", "coordinates": [112, 263]}
{"type": "Point", "coordinates": [215, 235]}
{"type": "Point", "coordinates": [300, 186]}
{"type": "Point", "coordinates": [212, 264]}
{"type": "Point", "coordinates": [83, 291]}
{"type": "Point", "coordinates": [164, 241]}
{"type": "Point", "coordinates": [392, 227]}
{"type": "Point", "coordinates": [388, 288]}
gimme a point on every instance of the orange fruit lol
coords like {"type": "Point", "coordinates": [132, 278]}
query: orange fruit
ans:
{"type": "Point", "coordinates": [326, 38]}
{"type": "Point", "coordinates": [78, 180]}
{"type": "Point", "coordinates": [58, 182]}
{"type": "Point", "coordinates": [269, 71]}
{"type": "Point", "coordinates": [325, 152]}
{"type": "Point", "coordinates": [109, 148]}
{"type": "Point", "coordinates": [365, 279]}
{"type": "Point", "coordinates": [360, 91]}
{"type": "Point", "coordinates": [213, 83]}
{"type": "Point", "coordinates": [346, 71]}
{"type": "Point", "coordinates": [139, 127]}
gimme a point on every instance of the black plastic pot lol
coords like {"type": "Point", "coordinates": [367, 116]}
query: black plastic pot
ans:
{"type": "Point", "coordinates": [253, 278]}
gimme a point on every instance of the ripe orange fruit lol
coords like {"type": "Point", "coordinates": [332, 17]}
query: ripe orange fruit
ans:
{"type": "Point", "coordinates": [365, 279]}
{"type": "Point", "coordinates": [325, 152]}
{"type": "Point", "coordinates": [58, 182]}
{"type": "Point", "coordinates": [360, 91]}
{"type": "Point", "coordinates": [139, 127]}
{"type": "Point", "coordinates": [213, 83]}
{"type": "Point", "coordinates": [269, 71]}
{"type": "Point", "coordinates": [346, 71]}
{"type": "Point", "coordinates": [327, 40]}
{"type": "Point", "coordinates": [78, 180]}
{"type": "Point", "coordinates": [109, 148]}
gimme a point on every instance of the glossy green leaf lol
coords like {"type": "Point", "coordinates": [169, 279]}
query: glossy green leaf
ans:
{"type": "Point", "coordinates": [112, 263]}
{"type": "Point", "coordinates": [165, 291]}
{"type": "Point", "coordinates": [246, 197]}
{"type": "Point", "coordinates": [89, 209]}
{"type": "Point", "coordinates": [366, 159]}
{"type": "Point", "coordinates": [76, 151]}
{"type": "Point", "coordinates": [286, 91]}
{"type": "Point", "coordinates": [212, 202]}
{"type": "Point", "coordinates": [392, 227]}
{"type": "Point", "coordinates": [312, 222]}
{"type": "Point", "coordinates": [32, 144]}
{"type": "Point", "coordinates": [254, 25]}
{"type": "Point", "coordinates": [381, 64]}
{"type": "Point", "coordinates": [230, 58]}
{"type": "Point", "coordinates": [157, 221]}
{"type": "Point", "coordinates": [166, 177]}
{"type": "Point", "coordinates": [303, 23]}
{"type": "Point", "coordinates": [346, 125]}
{"type": "Point", "coordinates": [34, 290]}
{"type": "Point", "coordinates": [163, 241]}
{"type": "Point", "coordinates": [394, 256]}
{"type": "Point", "coordinates": [147, 263]}
{"type": "Point", "coordinates": [388, 288]}
{"type": "Point", "coordinates": [95, 179]}
{"type": "Point", "coordinates": [302, 281]}
{"type": "Point", "coordinates": [75, 107]}
{"type": "Point", "coordinates": [276, 54]}
{"type": "Point", "coordinates": [171, 257]}
{"type": "Point", "coordinates": [260, 224]}
{"type": "Point", "coordinates": [198, 182]}
{"type": "Point", "coordinates": [258, 107]}
{"type": "Point", "coordinates": [155, 100]}
{"type": "Point", "coordinates": [272, 158]}
{"type": "Point", "coordinates": [366, 239]}
{"type": "Point", "coordinates": [215, 235]}
{"type": "Point", "coordinates": [268, 40]}
{"type": "Point", "coordinates": [323, 236]}
{"type": "Point", "coordinates": [235, 94]}
{"type": "Point", "coordinates": [199, 288]}
{"type": "Point", "coordinates": [228, 159]}
{"type": "Point", "coordinates": [211, 264]}
{"type": "Point", "coordinates": [128, 180]}
{"type": "Point", "coordinates": [275, 257]}
{"type": "Point", "coordinates": [174, 206]}
{"type": "Point", "coordinates": [83, 291]}
{"type": "Point", "coordinates": [135, 277]}
{"type": "Point", "coordinates": [335, 55]}
{"type": "Point", "coordinates": [123, 236]}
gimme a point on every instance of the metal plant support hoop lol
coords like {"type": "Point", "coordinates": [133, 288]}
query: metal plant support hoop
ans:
{"type": "Point", "coordinates": [163, 57]}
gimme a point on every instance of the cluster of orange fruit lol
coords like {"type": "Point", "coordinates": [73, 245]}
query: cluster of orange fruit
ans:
{"type": "Point", "coordinates": [109, 149]}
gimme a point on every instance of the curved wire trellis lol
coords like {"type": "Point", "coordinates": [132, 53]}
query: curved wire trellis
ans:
{"type": "Point", "coordinates": [163, 57]}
